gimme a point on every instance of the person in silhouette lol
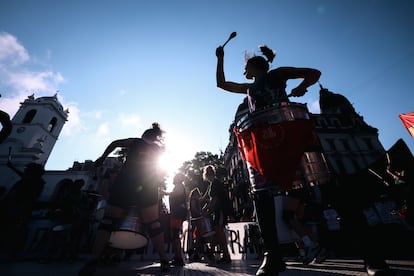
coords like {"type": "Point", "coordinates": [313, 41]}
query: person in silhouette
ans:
{"type": "Point", "coordinates": [178, 213]}
{"type": "Point", "coordinates": [136, 186]}
{"type": "Point", "coordinates": [266, 89]}
{"type": "Point", "coordinates": [63, 238]}
{"type": "Point", "coordinates": [6, 126]}
{"type": "Point", "coordinates": [218, 208]}
{"type": "Point", "coordinates": [17, 206]}
{"type": "Point", "coordinates": [194, 205]}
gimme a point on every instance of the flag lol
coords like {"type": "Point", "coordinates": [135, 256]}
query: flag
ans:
{"type": "Point", "coordinates": [408, 121]}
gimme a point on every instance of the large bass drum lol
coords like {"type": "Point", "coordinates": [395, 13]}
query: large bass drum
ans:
{"type": "Point", "coordinates": [129, 234]}
{"type": "Point", "coordinates": [272, 142]}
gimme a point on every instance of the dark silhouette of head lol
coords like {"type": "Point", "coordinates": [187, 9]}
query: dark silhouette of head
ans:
{"type": "Point", "coordinates": [153, 134]}
{"type": "Point", "coordinates": [209, 172]}
{"type": "Point", "coordinates": [178, 178]}
{"type": "Point", "coordinates": [259, 62]}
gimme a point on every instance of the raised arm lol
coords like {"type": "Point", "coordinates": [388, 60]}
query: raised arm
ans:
{"type": "Point", "coordinates": [309, 75]}
{"type": "Point", "coordinates": [111, 147]}
{"type": "Point", "coordinates": [221, 79]}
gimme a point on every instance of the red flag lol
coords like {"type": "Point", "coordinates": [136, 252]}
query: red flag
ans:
{"type": "Point", "coordinates": [408, 121]}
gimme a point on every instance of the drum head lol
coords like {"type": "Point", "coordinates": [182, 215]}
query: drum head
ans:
{"type": "Point", "coordinates": [127, 240]}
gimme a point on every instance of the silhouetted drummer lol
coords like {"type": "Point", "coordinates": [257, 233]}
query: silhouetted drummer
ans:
{"type": "Point", "coordinates": [268, 89]}
{"type": "Point", "coordinates": [136, 185]}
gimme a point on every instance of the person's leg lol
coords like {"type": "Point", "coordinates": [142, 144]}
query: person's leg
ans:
{"type": "Point", "coordinates": [201, 245]}
{"type": "Point", "coordinates": [109, 221]}
{"type": "Point", "coordinates": [265, 211]}
{"type": "Point", "coordinates": [222, 242]}
{"type": "Point", "coordinates": [219, 228]}
{"type": "Point", "coordinates": [150, 217]}
{"type": "Point", "coordinates": [291, 209]}
{"type": "Point", "coordinates": [176, 225]}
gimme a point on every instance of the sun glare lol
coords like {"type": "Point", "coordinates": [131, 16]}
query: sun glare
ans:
{"type": "Point", "coordinates": [169, 163]}
{"type": "Point", "coordinates": [177, 152]}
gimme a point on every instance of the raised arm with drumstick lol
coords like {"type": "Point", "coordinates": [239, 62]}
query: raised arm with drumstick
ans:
{"type": "Point", "coordinates": [268, 87]}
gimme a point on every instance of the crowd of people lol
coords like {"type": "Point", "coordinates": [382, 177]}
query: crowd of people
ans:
{"type": "Point", "coordinates": [138, 184]}
{"type": "Point", "coordinates": [70, 212]}
{"type": "Point", "coordinates": [16, 207]}
{"type": "Point", "coordinates": [134, 187]}
{"type": "Point", "coordinates": [72, 215]}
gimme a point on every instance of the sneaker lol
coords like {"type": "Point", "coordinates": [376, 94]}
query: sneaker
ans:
{"type": "Point", "coordinates": [311, 253]}
{"type": "Point", "coordinates": [271, 265]}
{"type": "Point", "coordinates": [165, 266]}
{"type": "Point", "coordinates": [224, 260]}
{"type": "Point", "coordinates": [177, 262]}
{"type": "Point", "coordinates": [323, 254]}
{"type": "Point", "coordinates": [210, 256]}
{"type": "Point", "coordinates": [301, 255]}
{"type": "Point", "coordinates": [195, 258]}
{"type": "Point", "coordinates": [379, 268]}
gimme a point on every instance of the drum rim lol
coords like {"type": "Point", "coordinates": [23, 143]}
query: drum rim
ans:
{"type": "Point", "coordinates": [130, 231]}
{"type": "Point", "coordinates": [244, 122]}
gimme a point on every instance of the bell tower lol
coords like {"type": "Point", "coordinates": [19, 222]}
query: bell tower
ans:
{"type": "Point", "coordinates": [36, 127]}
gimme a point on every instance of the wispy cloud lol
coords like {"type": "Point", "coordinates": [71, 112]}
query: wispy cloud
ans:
{"type": "Point", "coordinates": [74, 124]}
{"type": "Point", "coordinates": [129, 120]}
{"type": "Point", "coordinates": [103, 130]}
{"type": "Point", "coordinates": [44, 82]}
{"type": "Point", "coordinates": [11, 51]}
{"type": "Point", "coordinates": [17, 79]}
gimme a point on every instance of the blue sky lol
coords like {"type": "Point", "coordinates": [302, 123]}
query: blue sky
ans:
{"type": "Point", "coordinates": [121, 65]}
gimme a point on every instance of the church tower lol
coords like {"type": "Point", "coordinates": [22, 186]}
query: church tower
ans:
{"type": "Point", "coordinates": [36, 127]}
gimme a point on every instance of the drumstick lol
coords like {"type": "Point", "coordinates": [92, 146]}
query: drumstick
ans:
{"type": "Point", "coordinates": [232, 35]}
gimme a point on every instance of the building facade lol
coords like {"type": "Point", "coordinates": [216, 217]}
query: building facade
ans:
{"type": "Point", "coordinates": [36, 127]}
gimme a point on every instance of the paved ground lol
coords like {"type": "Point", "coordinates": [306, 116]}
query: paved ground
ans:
{"type": "Point", "coordinates": [137, 267]}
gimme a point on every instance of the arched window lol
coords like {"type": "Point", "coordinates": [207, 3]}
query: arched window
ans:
{"type": "Point", "coordinates": [28, 118]}
{"type": "Point", "coordinates": [52, 124]}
